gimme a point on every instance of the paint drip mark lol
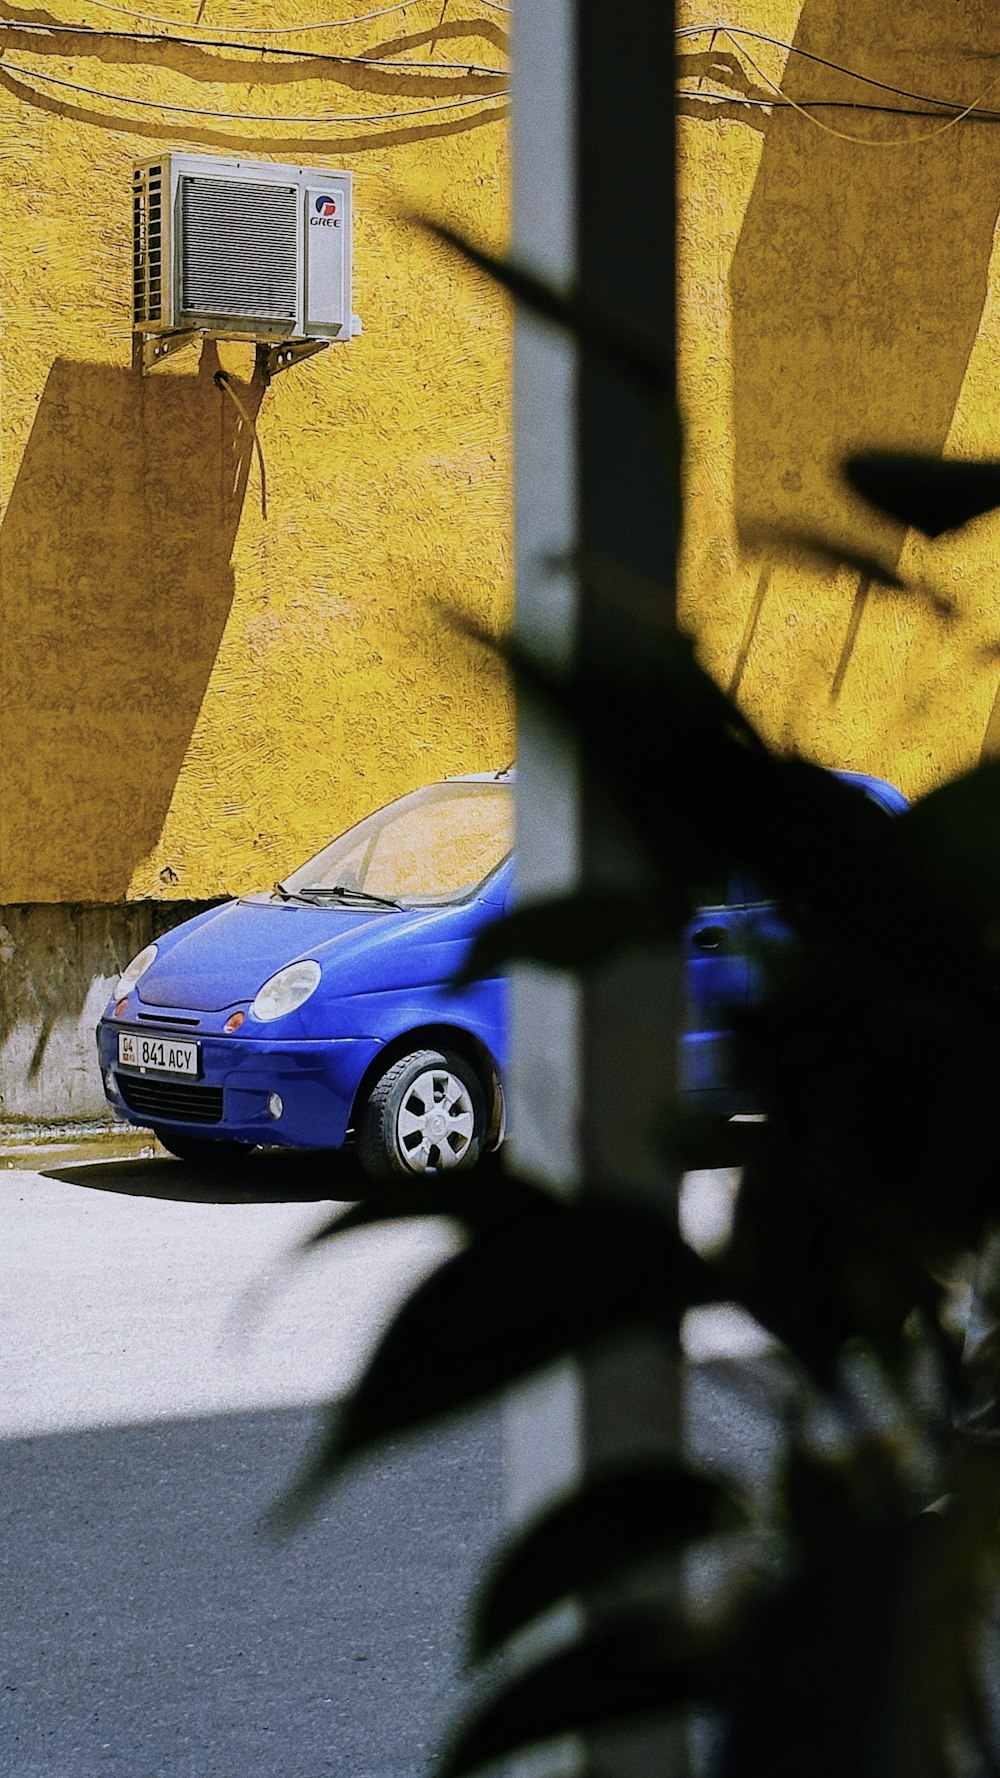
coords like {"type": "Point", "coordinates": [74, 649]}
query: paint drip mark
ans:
{"type": "Point", "coordinates": [862, 591]}
{"type": "Point", "coordinates": [991, 739]}
{"type": "Point", "coordinates": [750, 631]}
{"type": "Point", "coordinates": [437, 28]}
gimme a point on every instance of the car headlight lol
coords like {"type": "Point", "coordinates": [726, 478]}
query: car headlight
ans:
{"type": "Point", "coordinates": [136, 969]}
{"type": "Point", "coordinates": [287, 990]}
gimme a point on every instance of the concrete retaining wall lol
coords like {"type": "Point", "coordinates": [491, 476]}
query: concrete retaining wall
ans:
{"type": "Point", "coordinates": [58, 965]}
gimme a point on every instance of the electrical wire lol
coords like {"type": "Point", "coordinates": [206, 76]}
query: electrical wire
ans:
{"type": "Point", "coordinates": [683, 32]}
{"type": "Point", "coordinates": [808, 55]}
{"type": "Point", "coordinates": [28, 74]}
{"type": "Point", "coordinates": [756, 104]}
{"type": "Point", "coordinates": [782, 98]}
{"type": "Point", "coordinates": [383, 117]}
{"type": "Point", "coordinates": [363, 18]}
{"type": "Point", "coordinates": [733, 33]}
{"type": "Point", "coordinates": [845, 135]}
{"type": "Point", "coordinates": [222, 381]}
{"type": "Point", "coordinates": [311, 55]}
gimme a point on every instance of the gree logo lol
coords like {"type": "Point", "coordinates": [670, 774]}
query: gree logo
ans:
{"type": "Point", "coordinates": [326, 212]}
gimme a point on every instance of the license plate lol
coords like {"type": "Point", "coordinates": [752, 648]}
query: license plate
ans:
{"type": "Point", "coordinates": [165, 1054]}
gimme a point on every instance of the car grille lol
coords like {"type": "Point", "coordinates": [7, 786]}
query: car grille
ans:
{"type": "Point", "coordinates": [171, 1099]}
{"type": "Point", "coordinates": [155, 1018]}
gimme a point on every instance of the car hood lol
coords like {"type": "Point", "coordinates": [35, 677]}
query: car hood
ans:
{"type": "Point", "coordinates": [224, 960]}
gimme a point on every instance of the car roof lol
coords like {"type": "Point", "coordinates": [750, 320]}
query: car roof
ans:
{"type": "Point", "coordinates": [505, 775]}
{"type": "Point", "coordinates": [879, 789]}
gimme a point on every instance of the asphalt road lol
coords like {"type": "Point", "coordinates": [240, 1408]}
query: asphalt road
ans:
{"type": "Point", "coordinates": [164, 1356]}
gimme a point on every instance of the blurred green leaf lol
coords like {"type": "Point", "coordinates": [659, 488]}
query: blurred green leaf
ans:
{"type": "Point", "coordinates": [489, 1197]}
{"type": "Point", "coordinates": [569, 932]}
{"type": "Point", "coordinates": [646, 1664]}
{"type": "Point", "coordinates": [722, 799]}
{"type": "Point", "coordinates": [520, 1296]}
{"type": "Point", "coordinates": [831, 1496]}
{"type": "Point", "coordinates": [618, 1519]}
{"type": "Point", "coordinates": [932, 494]}
{"type": "Point", "coordinates": [851, 1668]}
{"type": "Point", "coordinates": [790, 539]}
{"type": "Point", "coordinates": [700, 1140]}
{"type": "Point", "coordinates": [653, 714]}
{"type": "Point", "coordinates": [953, 839]}
{"type": "Point", "coordinates": [875, 1051]}
{"type": "Point", "coordinates": [789, 1258]}
{"type": "Point", "coordinates": [641, 362]}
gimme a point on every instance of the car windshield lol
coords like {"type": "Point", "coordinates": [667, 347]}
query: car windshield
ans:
{"type": "Point", "coordinates": [435, 845]}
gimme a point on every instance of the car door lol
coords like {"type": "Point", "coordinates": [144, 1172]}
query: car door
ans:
{"type": "Point", "coordinates": [717, 985]}
{"type": "Point", "coordinates": [766, 930]}
{"type": "Point", "coordinates": [493, 992]}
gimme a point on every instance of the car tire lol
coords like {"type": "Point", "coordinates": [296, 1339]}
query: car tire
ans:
{"type": "Point", "coordinates": [202, 1150]}
{"type": "Point", "coordinates": [425, 1114]}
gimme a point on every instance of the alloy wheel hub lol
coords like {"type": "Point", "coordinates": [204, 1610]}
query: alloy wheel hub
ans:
{"type": "Point", "coordinates": [435, 1123]}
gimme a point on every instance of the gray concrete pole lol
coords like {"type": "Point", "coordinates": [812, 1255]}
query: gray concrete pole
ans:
{"type": "Point", "coordinates": [594, 1060]}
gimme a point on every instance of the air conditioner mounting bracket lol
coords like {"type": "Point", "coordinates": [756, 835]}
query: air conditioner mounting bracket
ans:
{"type": "Point", "coordinates": [272, 359]}
{"type": "Point", "coordinates": [158, 346]}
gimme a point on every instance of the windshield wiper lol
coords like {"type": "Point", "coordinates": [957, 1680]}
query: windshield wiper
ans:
{"type": "Point", "coordinates": [288, 894]}
{"type": "Point", "coordinates": [340, 892]}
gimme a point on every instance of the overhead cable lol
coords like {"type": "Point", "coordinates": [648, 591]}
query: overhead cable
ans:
{"type": "Point", "coordinates": [362, 18]}
{"type": "Point", "coordinates": [846, 135]}
{"type": "Point", "coordinates": [312, 55]}
{"type": "Point", "coordinates": [753, 103]}
{"type": "Point", "coordinates": [808, 55]}
{"type": "Point", "coordinates": [369, 117]}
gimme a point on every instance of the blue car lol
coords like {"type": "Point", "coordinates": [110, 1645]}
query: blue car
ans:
{"type": "Point", "coordinates": [723, 946]}
{"type": "Point", "coordinates": [324, 1010]}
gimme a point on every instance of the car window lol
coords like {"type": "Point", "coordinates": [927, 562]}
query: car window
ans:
{"type": "Point", "coordinates": [444, 849]}
{"type": "Point", "coordinates": [434, 845]}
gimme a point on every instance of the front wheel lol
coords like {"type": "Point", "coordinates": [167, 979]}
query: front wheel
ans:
{"type": "Point", "coordinates": [202, 1150]}
{"type": "Point", "coordinates": [425, 1114]}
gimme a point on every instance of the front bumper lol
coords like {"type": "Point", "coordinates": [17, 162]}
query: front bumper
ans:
{"type": "Point", "coordinates": [316, 1080]}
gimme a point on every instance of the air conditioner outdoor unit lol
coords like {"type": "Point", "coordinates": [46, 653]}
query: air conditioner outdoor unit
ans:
{"type": "Point", "coordinates": [237, 249]}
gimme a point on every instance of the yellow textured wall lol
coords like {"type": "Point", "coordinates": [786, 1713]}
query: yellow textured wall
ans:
{"type": "Point", "coordinates": [193, 696]}
{"type": "Point", "coordinates": [836, 293]}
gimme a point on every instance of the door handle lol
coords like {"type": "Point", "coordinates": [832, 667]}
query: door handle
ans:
{"type": "Point", "coordinates": [709, 938]}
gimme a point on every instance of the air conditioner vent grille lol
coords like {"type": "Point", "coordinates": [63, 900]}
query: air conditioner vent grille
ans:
{"type": "Point", "coordinates": [147, 251]}
{"type": "Point", "coordinates": [239, 249]}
